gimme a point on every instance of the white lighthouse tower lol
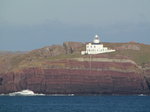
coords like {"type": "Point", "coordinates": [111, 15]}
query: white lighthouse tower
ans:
{"type": "Point", "coordinates": [96, 47]}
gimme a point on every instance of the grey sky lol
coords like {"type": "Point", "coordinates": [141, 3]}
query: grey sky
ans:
{"type": "Point", "coordinates": [42, 22]}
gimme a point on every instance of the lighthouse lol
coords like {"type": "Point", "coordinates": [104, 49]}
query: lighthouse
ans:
{"type": "Point", "coordinates": [96, 47]}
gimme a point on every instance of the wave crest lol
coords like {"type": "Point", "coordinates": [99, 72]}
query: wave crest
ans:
{"type": "Point", "coordinates": [25, 93]}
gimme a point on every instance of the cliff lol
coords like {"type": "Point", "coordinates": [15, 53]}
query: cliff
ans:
{"type": "Point", "coordinates": [60, 69]}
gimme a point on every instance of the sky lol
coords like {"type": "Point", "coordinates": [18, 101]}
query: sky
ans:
{"type": "Point", "coordinates": [31, 24]}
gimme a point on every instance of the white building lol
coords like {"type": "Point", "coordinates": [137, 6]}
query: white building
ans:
{"type": "Point", "coordinates": [96, 47]}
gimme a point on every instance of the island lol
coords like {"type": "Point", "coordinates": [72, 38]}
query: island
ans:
{"type": "Point", "coordinates": [71, 69]}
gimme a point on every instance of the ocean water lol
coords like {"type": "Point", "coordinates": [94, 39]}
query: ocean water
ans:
{"type": "Point", "coordinates": [74, 103]}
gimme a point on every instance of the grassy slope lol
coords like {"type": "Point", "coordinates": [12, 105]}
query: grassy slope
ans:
{"type": "Point", "coordinates": [14, 62]}
{"type": "Point", "coordinates": [141, 56]}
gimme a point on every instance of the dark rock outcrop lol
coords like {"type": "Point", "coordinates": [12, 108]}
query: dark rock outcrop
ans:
{"type": "Point", "coordinates": [72, 47]}
{"type": "Point", "coordinates": [55, 50]}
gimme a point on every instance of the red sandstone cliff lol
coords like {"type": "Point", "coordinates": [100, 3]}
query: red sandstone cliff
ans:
{"type": "Point", "coordinates": [43, 72]}
{"type": "Point", "coordinates": [78, 77]}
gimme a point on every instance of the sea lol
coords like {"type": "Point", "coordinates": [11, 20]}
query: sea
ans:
{"type": "Point", "coordinates": [75, 103]}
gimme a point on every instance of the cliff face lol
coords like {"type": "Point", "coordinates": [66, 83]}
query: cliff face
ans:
{"type": "Point", "coordinates": [78, 77]}
{"type": "Point", "coordinates": [62, 70]}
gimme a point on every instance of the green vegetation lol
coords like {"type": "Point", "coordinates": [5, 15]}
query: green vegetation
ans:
{"type": "Point", "coordinates": [140, 56]}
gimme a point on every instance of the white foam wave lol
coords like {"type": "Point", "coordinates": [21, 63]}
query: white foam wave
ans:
{"type": "Point", "coordinates": [24, 93]}
{"type": "Point", "coordinates": [141, 95]}
{"type": "Point", "coordinates": [61, 95]}
{"type": "Point", "coordinates": [31, 93]}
